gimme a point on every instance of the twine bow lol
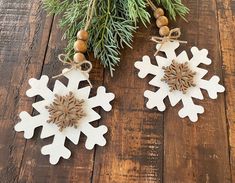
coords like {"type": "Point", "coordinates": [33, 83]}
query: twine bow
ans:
{"type": "Point", "coordinates": [173, 35]}
{"type": "Point", "coordinates": [75, 65]}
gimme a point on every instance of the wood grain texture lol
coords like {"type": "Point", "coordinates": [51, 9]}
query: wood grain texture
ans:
{"type": "Point", "coordinates": [226, 20]}
{"type": "Point", "coordinates": [24, 36]}
{"type": "Point", "coordinates": [134, 152]}
{"type": "Point", "coordinates": [144, 145]}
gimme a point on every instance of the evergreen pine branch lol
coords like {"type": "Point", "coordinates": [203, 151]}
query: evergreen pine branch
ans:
{"type": "Point", "coordinates": [112, 25]}
{"type": "Point", "coordinates": [112, 33]}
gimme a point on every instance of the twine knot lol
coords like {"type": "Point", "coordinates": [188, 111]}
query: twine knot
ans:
{"type": "Point", "coordinates": [75, 66]}
{"type": "Point", "coordinates": [173, 35]}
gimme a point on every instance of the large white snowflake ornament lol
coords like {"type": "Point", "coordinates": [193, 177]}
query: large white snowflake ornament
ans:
{"type": "Point", "coordinates": [71, 94]}
{"type": "Point", "coordinates": [176, 83]}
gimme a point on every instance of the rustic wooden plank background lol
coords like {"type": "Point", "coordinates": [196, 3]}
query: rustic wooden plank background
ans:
{"type": "Point", "coordinates": [143, 145]}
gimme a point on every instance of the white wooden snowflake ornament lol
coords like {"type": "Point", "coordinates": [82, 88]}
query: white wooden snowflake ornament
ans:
{"type": "Point", "coordinates": [172, 88]}
{"type": "Point", "coordinates": [57, 149]}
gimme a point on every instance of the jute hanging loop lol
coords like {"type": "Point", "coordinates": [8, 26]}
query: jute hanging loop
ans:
{"type": "Point", "coordinates": [173, 35]}
{"type": "Point", "coordinates": [75, 65]}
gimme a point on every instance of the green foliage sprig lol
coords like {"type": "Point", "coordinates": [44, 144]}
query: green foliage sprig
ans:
{"type": "Point", "coordinates": [112, 25]}
{"type": "Point", "coordinates": [174, 8]}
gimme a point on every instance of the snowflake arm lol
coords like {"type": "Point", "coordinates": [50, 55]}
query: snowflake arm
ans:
{"type": "Point", "coordinates": [52, 149]}
{"type": "Point", "coordinates": [169, 48]}
{"type": "Point", "coordinates": [94, 135]}
{"type": "Point", "coordinates": [74, 78]}
{"type": "Point", "coordinates": [39, 87]}
{"type": "Point", "coordinates": [190, 109]}
{"type": "Point", "coordinates": [212, 86]}
{"type": "Point", "coordinates": [145, 67]}
{"type": "Point", "coordinates": [155, 99]}
{"type": "Point", "coordinates": [29, 123]}
{"type": "Point", "coordinates": [199, 56]}
{"type": "Point", "coordinates": [102, 99]}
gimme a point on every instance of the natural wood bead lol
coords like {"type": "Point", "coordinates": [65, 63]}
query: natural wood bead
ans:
{"type": "Point", "coordinates": [83, 35]}
{"type": "Point", "coordinates": [164, 31]}
{"type": "Point", "coordinates": [158, 12]}
{"type": "Point", "coordinates": [80, 46]}
{"type": "Point", "coordinates": [162, 21]}
{"type": "Point", "coordinates": [78, 57]}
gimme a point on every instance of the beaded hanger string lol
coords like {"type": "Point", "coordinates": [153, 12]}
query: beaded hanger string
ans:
{"type": "Point", "coordinates": [164, 31]}
{"type": "Point", "coordinates": [80, 47]}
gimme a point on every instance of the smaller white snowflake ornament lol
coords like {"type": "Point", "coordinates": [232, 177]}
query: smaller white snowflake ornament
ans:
{"type": "Point", "coordinates": [64, 113]}
{"type": "Point", "coordinates": [179, 78]}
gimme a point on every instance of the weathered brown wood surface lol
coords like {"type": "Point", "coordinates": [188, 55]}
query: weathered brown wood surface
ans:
{"type": "Point", "coordinates": [143, 145]}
